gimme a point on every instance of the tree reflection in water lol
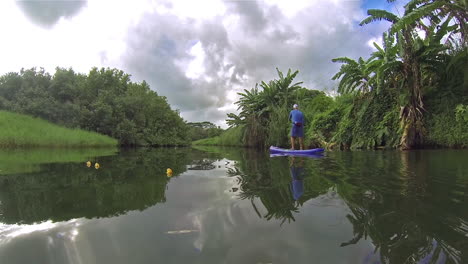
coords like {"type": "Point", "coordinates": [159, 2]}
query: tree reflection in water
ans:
{"type": "Point", "coordinates": [203, 164]}
{"type": "Point", "coordinates": [282, 185]}
{"type": "Point", "coordinates": [133, 180]}
{"type": "Point", "coordinates": [403, 201]}
{"type": "Point", "coordinates": [411, 205]}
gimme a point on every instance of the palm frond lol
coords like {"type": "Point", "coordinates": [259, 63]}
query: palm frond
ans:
{"type": "Point", "coordinates": [379, 15]}
{"type": "Point", "coordinates": [411, 5]}
{"type": "Point", "coordinates": [345, 60]}
{"type": "Point", "coordinates": [377, 47]}
{"type": "Point", "coordinates": [415, 15]}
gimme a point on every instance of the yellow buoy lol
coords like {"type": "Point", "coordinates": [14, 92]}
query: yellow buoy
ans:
{"type": "Point", "coordinates": [169, 172]}
{"type": "Point", "coordinates": [88, 164]}
{"type": "Point", "coordinates": [96, 165]}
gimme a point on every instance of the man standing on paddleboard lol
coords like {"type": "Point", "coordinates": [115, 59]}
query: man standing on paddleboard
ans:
{"type": "Point", "coordinates": [297, 129]}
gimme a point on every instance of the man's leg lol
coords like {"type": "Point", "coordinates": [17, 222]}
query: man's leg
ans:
{"type": "Point", "coordinates": [292, 142]}
{"type": "Point", "coordinates": [301, 142]}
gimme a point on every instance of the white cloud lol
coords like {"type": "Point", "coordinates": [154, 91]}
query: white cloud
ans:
{"type": "Point", "coordinates": [290, 9]}
{"type": "Point", "coordinates": [202, 9]}
{"type": "Point", "coordinates": [95, 37]}
{"type": "Point", "coordinates": [195, 68]}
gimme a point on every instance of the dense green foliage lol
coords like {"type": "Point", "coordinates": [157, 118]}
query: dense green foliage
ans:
{"type": "Point", "coordinates": [200, 130]}
{"type": "Point", "coordinates": [230, 137]}
{"type": "Point", "coordinates": [104, 101]}
{"type": "Point", "coordinates": [411, 92]}
{"type": "Point", "coordinates": [25, 131]}
{"type": "Point", "coordinates": [347, 121]}
{"type": "Point", "coordinates": [447, 118]}
{"type": "Point", "coordinates": [414, 64]}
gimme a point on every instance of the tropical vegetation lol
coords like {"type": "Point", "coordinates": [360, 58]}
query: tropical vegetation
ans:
{"type": "Point", "coordinates": [201, 130]}
{"type": "Point", "coordinates": [411, 92]}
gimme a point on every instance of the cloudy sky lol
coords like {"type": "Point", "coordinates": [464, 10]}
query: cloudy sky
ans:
{"type": "Point", "coordinates": [198, 54]}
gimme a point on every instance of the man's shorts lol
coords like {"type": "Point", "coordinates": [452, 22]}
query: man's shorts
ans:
{"type": "Point", "coordinates": [297, 182]}
{"type": "Point", "coordinates": [297, 131]}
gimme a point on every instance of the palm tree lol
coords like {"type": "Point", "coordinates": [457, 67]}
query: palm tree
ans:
{"type": "Point", "coordinates": [414, 55]}
{"type": "Point", "coordinates": [257, 105]}
{"type": "Point", "coordinates": [285, 86]}
{"type": "Point", "coordinates": [385, 64]}
{"type": "Point", "coordinates": [435, 11]}
{"type": "Point", "coordinates": [279, 92]}
{"type": "Point", "coordinates": [355, 75]}
{"type": "Point", "coordinates": [411, 113]}
{"type": "Point", "coordinates": [421, 61]}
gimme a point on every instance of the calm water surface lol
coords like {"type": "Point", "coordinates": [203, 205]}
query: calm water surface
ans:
{"type": "Point", "coordinates": [233, 206]}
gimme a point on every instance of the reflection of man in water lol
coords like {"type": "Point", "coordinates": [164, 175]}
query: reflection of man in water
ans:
{"type": "Point", "coordinates": [297, 171]}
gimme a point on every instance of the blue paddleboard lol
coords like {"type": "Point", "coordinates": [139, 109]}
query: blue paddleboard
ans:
{"type": "Point", "coordinates": [305, 152]}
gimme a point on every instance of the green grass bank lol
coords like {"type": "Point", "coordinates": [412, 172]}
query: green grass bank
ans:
{"type": "Point", "coordinates": [231, 137]}
{"type": "Point", "coordinates": [18, 130]}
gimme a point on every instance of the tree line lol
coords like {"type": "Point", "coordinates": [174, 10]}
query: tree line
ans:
{"type": "Point", "coordinates": [201, 130]}
{"type": "Point", "coordinates": [104, 100]}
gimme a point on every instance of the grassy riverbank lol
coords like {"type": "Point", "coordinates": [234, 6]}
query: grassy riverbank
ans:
{"type": "Point", "coordinates": [24, 131]}
{"type": "Point", "coordinates": [230, 137]}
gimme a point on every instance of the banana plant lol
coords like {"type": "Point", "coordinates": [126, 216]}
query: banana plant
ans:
{"type": "Point", "coordinates": [418, 60]}
{"type": "Point", "coordinates": [355, 76]}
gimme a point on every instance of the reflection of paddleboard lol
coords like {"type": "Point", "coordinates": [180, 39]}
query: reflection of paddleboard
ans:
{"type": "Point", "coordinates": [313, 156]}
{"type": "Point", "coordinates": [305, 152]}
{"type": "Point", "coordinates": [181, 231]}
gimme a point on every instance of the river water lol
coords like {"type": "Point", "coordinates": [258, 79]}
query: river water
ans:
{"type": "Point", "coordinates": [231, 205]}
